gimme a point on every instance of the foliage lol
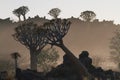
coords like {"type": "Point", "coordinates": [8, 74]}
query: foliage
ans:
{"type": "Point", "coordinates": [47, 59]}
{"type": "Point", "coordinates": [87, 15]}
{"type": "Point", "coordinates": [54, 12]}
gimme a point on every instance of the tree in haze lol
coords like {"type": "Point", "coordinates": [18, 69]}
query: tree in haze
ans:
{"type": "Point", "coordinates": [115, 46]}
{"type": "Point", "coordinates": [6, 65]}
{"type": "Point", "coordinates": [47, 59]}
{"type": "Point", "coordinates": [15, 56]}
{"type": "Point", "coordinates": [17, 12]}
{"type": "Point", "coordinates": [97, 60]}
{"type": "Point", "coordinates": [88, 15]}
{"type": "Point", "coordinates": [54, 12]}
{"type": "Point", "coordinates": [56, 30]}
{"type": "Point", "coordinates": [23, 10]}
{"type": "Point", "coordinates": [33, 37]}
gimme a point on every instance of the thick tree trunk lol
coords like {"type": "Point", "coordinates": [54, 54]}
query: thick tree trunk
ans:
{"type": "Point", "coordinates": [33, 61]}
{"type": "Point", "coordinates": [78, 66]}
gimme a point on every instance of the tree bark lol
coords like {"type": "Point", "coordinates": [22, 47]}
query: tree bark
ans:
{"type": "Point", "coordinates": [78, 66]}
{"type": "Point", "coordinates": [33, 61]}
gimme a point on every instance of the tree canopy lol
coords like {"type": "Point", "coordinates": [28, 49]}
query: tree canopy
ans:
{"type": "Point", "coordinates": [88, 15]}
{"type": "Point", "coordinates": [54, 12]}
{"type": "Point", "coordinates": [17, 12]}
{"type": "Point", "coordinates": [23, 10]}
{"type": "Point", "coordinates": [56, 29]}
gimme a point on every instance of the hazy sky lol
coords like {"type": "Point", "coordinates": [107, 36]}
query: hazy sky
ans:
{"type": "Point", "coordinates": [105, 9]}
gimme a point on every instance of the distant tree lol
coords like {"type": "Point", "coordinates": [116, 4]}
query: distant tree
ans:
{"type": "Point", "coordinates": [54, 12]}
{"type": "Point", "coordinates": [15, 56]}
{"type": "Point", "coordinates": [24, 10]}
{"type": "Point", "coordinates": [33, 37]}
{"type": "Point", "coordinates": [96, 60]}
{"type": "Point", "coordinates": [88, 15]}
{"type": "Point", "coordinates": [115, 46]}
{"type": "Point", "coordinates": [48, 59]}
{"type": "Point", "coordinates": [17, 12]}
{"type": "Point", "coordinates": [56, 30]}
{"type": "Point", "coordinates": [6, 65]}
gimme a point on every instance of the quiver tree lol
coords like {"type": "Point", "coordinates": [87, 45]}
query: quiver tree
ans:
{"type": "Point", "coordinates": [54, 12]}
{"type": "Point", "coordinates": [17, 12]}
{"type": "Point", "coordinates": [88, 15]}
{"type": "Point", "coordinates": [115, 46]}
{"type": "Point", "coordinates": [24, 10]}
{"type": "Point", "coordinates": [56, 30]}
{"type": "Point", "coordinates": [31, 36]}
{"type": "Point", "coordinates": [47, 59]}
{"type": "Point", "coordinates": [15, 56]}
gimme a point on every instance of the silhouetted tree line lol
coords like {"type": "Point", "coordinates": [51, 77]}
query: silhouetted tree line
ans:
{"type": "Point", "coordinates": [23, 10]}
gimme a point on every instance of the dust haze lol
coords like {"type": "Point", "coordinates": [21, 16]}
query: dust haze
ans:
{"type": "Point", "coordinates": [91, 36]}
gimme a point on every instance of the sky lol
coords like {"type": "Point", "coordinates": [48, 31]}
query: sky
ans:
{"type": "Point", "coordinates": [104, 9]}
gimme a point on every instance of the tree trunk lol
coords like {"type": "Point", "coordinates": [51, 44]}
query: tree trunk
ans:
{"type": "Point", "coordinates": [19, 18]}
{"type": "Point", "coordinates": [78, 66]}
{"type": "Point", "coordinates": [16, 65]}
{"type": "Point", "coordinates": [33, 61]}
{"type": "Point", "coordinates": [24, 17]}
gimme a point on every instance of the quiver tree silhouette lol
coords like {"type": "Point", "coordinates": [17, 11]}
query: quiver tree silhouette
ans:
{"type": "Point", "coordinates": [115, 47]}
{"type": "Point", "coordinates": [15, 56]}
{"type": "Point", "coordinates": [88, 15]}
{"type": "Point", "coordinates": [47, 59]}
{"type": "Point", "coordinates": [56, 29]}
{"type": "Point", "coordinates": [17, 12]}
{"type": "Point", "coordinates": [33, 37]}
{"type": "Point", "coordinates": [54, 12]}
{"type": "Point", "coordinates": [24, 10]}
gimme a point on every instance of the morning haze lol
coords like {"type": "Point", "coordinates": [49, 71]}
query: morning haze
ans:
{"type": "Point", "coordinates": [60, 39]}
{"type": "Point", "coordinates": [92, 36]}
